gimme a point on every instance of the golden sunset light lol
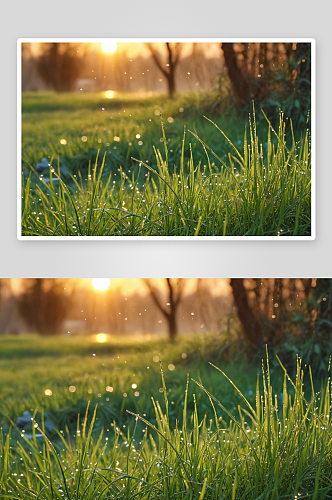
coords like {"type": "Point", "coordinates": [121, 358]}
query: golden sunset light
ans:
{"type": "Point", "coordinates": [101, 337]}
{"type": "Point", "coordinates": [109, 94]}
{"type": "Point", "coordinates": [101, 284]}
{"type": "Point", "coordinates": [109, 47]}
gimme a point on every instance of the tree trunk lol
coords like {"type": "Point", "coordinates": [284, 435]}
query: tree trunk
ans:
{"type": "Point", "coordinates": [170, 75]}
{"type": "Point", "coordinates": [55, 63]}
{"type": "Point", "coordinates": [250, 325]}
{"type": "Point", "coordinates": [171, 316]}
{"type": "Point", "coordinates": [171, 85]}
{"type": "Point", "coordinates": [239, 83]}
{"type": "Point", "coordinates": [172, 326]}
{"type": "Point", "coordinates": [277, 299]}
{"type": "Point", "coordinates": [39, 305]}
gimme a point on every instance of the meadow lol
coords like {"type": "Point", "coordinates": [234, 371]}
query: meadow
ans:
{"type": "Point", "coordinates": [110, 421]}
{"type": "Point", "coordinates": [143, 165]}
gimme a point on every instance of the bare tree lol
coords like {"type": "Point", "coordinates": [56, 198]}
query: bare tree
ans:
{"type": "Point", "coordinates": [175, 293]}
{"type": "Point", "coordinates": [173, 56]}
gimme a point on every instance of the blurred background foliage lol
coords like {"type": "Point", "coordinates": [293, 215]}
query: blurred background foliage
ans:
{"type": "Point", "coordinates": [274, 75]}
{"type": "Point", "coordinates": [290, 315]}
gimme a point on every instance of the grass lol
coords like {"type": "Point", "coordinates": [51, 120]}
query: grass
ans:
{"type": "Point", "coordinates": [269, 447]}
{"type": "Point", "coordinates": [112, 125]}
{"type": "Point", "coordinates": [261, 191]}
{"type": "Point", "coordinates": [31, 364]}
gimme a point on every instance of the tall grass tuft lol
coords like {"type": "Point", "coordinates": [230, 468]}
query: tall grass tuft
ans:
{"type": "Point", "coordinates": [280, 448]}
{"type": "Point", "coordinates": [263, 191]}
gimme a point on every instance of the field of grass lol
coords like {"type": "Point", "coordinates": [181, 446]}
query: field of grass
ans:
{"type": "Point", "coordinates": [112, 125]}
{"type": "Point", "coordinates": [31, 364]}
{"type": "Point", "coordinates": [268, 439]}
{"type": "Point", "coordinates": [133, 173]}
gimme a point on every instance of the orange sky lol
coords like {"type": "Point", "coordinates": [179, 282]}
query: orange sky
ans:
{"type": "Point", "coordinates": [139, 48]}
{"type": "Point", "coordinates": [133, 285]}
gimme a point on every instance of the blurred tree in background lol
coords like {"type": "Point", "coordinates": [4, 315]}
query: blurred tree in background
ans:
{"type": "Point", "coordinates": [323, 307]}
{"type": "Point", "coordinates": [292, 315]}
{"type": "Point", "coordinates": [4, 311]}
{"type": "Point", "coordinates": [274, 75]}
{"type": "Point", "coordinates": [266, 307]}
{"type": "Point", "coordinates": [44, 305]}
{"type": "Point", "coordinates": [173, 56]}
{"type": "Point", "coordinates": [60, 65]}
{"type": "Point", "coordinates": [175, 292]}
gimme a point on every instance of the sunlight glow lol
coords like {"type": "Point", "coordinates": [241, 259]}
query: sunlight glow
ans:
{"type": "Point", "coordinates": [109, 94]}
{"type": "Point", "coordinates": [109, 47]}
{"type": "Point", "coordinates": [101, 283]}
{"type": "Point", "coordinates": [101, 337]}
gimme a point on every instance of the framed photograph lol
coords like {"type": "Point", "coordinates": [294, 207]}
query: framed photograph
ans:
{"type": "Point", "coordinates": [166, 139]}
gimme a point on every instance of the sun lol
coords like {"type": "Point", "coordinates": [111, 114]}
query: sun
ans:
{"type": "Point", "coordinates": [109, 47]}
{"type": "Point", "coordinates": [109, 94]}
{"type": "Point", "coordinates": [101, 283]}
{"type": "Point", "coordinates": [101, 337]}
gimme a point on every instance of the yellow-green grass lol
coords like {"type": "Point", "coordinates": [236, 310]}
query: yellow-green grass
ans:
{"type": "Point", "coordinates": [113, 124]}
{"type": "Point", "coordinates": [255, 191]}
{"type": "Point", "coordinates": [273, 443]}
{"type": "Point", "coordinates": [30, 364]}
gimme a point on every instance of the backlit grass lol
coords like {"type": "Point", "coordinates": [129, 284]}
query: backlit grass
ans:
{"type": "Point", "coordinates": [125, 126]}
{"type": "Point", "coordinates": [31, 364]}
{"type": "Point", "coordinates": [264, 190]}
{"type": "Point", "coordinates": [277, 446]}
